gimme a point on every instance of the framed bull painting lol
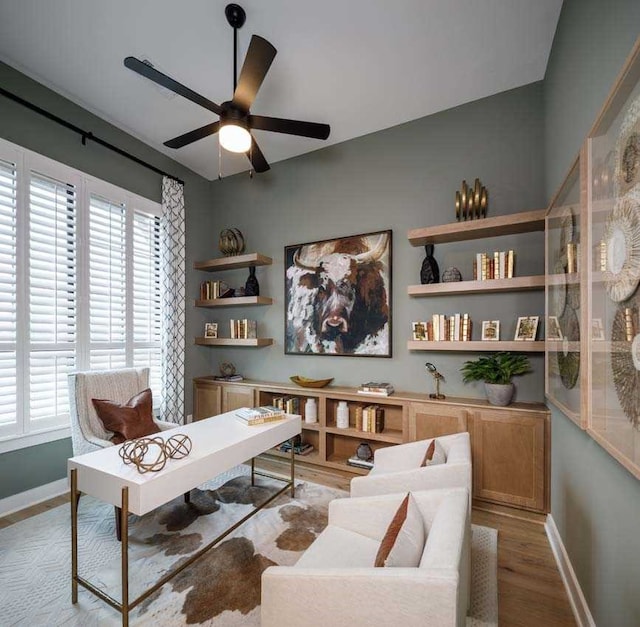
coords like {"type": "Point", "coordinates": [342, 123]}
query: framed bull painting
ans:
{"type": "Point", "coordinates": [338, 296]}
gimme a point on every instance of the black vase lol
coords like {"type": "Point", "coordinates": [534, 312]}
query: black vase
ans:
{"type": "Point", "coordinates": [429, 273]}
{"type": "Point", "coordinates": [252, 287]}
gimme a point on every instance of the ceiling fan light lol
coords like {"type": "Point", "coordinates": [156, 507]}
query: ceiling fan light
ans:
{"type": "Point", "coordinates": [235, 138]}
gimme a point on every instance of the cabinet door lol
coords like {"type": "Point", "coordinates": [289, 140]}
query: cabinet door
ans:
{"type": "Point", "coordinates": [206, 400]}
{"type": "Point", "coordinates": [429, 420]}
{"type": "Point", "coordinates": [509, 464]}
{"type": "Point", "coordinates": [235, 396]}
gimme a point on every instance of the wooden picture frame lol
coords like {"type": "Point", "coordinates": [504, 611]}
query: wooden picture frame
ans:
{"type": "Point", "coordinates": [338, 296]}
{"type": "Point", "coordinates": [211, 329]}
{"type": "Point", "coordinates": [526, 328]}
{"type": "Point", "coordinates": [419, 330]}
{"type": "Point", "coordinates": [612, 179]}
{"type": "Point", "coordinates": [491, 330]}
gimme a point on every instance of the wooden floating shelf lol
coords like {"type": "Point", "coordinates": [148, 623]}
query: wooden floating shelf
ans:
{"type": "Point", "coordinates": [477, 346]}
{"type": "Point", "coordinates": [227, 341]}
{"type": "Point", "coordinates": [233, 263]}
{"type": "Point", "coordinates": [521, 283]}
{"type": "Point", "coordinates": [235, 301]}
{"type": "Point", "coordinates": [526, 222]}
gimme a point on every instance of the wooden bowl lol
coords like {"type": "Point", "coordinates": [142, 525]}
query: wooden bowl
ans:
{"type": "Point", "coordinates": [310, 383]}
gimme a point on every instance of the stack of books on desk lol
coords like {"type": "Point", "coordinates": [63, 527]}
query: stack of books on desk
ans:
{"type": "Point", "coordinates": [376, 389]}
{"type": "Point", "coordinates": [299, 449]}
{"type": "Point", "coordinates": [259, 415]}
{"type": "Point", "coordinates": [356, 462]}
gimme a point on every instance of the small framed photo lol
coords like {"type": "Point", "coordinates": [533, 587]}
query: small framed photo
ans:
{"type": "Point", "coordinates": [597, 329]}
{"type": "Point", "coordinates": [491, 330]}
{"type": "Point", "coordinates": [419, 330]}
{"type": "Point", "coordinates": [554, 332]}
{"type": "Point", "coordinates": [526, 328]}
{"type": "Point", "coordinates": [211, 329]}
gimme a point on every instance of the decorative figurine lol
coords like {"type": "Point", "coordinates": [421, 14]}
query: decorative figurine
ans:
{"type": "Point", "coordinates": [252, 287]}
{"type": "Point", "coordinates": [430, 272]}
{"type": "Point", "coordinates": [364, 452]}
{"type": "Point", "coordinates": [437, 376]}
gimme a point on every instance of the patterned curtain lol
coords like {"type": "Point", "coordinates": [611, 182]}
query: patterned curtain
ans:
{"type": "Point", "coordinates": [173, 305]}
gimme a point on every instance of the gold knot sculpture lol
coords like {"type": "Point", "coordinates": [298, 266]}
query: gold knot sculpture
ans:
{"type": "Point", "coordinates": [151, 454]}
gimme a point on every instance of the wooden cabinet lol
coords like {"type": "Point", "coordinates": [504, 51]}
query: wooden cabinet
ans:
{"type": "Point", "coordinates": [510, 457]}
{"type": "Point", "coordinates": [233, 263]}
{"type": "Point", "coordinates": [526, 222]}
{"type": "Point", "coordinates": [510, 445]}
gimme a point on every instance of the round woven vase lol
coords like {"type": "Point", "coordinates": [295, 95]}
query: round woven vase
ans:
{"type": "Point", "coordinates": [499, 394]}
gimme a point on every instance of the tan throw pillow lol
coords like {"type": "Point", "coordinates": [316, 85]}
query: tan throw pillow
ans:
{"type": "Point", "coordinates": [132, 420]}
{"type": "Point", "coordinates": [403, 542]}
{"type": "Point", "coordinates": [435, 454]}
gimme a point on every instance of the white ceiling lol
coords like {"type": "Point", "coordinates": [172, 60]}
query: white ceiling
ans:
{"type": "Point", "coordinates": [358, 65]}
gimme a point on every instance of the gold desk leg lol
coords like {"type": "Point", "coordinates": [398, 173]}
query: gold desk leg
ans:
{"type": "Point", "coordinates": [73, 499]}
{"type": "Point", "coordinates": [253, 467]}
{"type": "Point", "coordinates": [293, 470]}
{"type": "Point", "coordinates": [124, 548]}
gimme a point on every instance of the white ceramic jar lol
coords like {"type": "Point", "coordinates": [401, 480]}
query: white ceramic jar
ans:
{"type": "Point", "coordinates": [342, 415]}
{"type": "Point", "coordinates": [311, 410]}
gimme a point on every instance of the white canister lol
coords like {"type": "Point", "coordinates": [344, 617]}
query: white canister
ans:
{"type": "Point", "coordinates": [342, 415]}
{"type": "Point", "coordinates": [311, 410]}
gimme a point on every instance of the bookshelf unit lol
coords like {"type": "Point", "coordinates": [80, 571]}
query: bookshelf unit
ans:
{"type": "Point", "coordinates": [526, 222]}
{"type": "Point", "coordinates": [235, 262]}
{"type": "Point", "coordinates": [522, 482]}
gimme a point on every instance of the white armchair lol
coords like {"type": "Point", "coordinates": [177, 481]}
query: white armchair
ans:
{"type": "Point", "coordinates": [87, 431]}
{"type": "Point", "coordinates": [335, 583]}
{"type": "Point", "coordinates": [397, 468]}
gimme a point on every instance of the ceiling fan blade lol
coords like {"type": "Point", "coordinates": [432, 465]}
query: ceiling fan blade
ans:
{"type": "Point", "coordinates": [256, 157]}
{"type": "Point", "coordinates": [255, 67]}
{"type": "Point", "coordinates": [290, 127]}
{"type": "Point", "coordinates": [154, 75]}
{"type": "Point", "coordinates": [193, 136]}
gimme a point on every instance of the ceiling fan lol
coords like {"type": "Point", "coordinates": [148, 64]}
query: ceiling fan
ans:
{"type": "Point", "coordinates": [236, 122]}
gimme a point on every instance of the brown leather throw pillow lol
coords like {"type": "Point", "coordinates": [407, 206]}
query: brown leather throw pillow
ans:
{"type": "Point", "coordinates": [428, 456]}
{"type": "Point", "coordinates": [132, 420]}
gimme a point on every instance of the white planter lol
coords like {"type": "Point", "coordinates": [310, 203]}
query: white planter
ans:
{"type": "Point", "coordinates": [499, 394]}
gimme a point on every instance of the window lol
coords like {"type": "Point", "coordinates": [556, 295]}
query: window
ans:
{"type": "Point", "coordinates": [79, 287]}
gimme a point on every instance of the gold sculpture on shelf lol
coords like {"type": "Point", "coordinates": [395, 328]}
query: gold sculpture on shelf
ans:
{"type": "Point", "coordinates": [471, 202]}
{"type": "Point", "coordinates": [135, 451]}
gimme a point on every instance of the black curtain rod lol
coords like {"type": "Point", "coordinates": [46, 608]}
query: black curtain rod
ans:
{"type": "Point", "coordinates": [85, 134]}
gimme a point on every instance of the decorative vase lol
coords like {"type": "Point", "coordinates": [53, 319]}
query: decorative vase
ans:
{"type": "Point", "coordinates": [342, 415]}
{"type": "Point", "coordinates": [499, 394]}
{"type": "Point", "coordinates": [451, 275]}
{"type": "Point", "coordinates": [364, 452]}
{"type": "Point", "coordinates": [311, 411]}
{"type": "Point", "coordinates": [252, 287]}
{"type": "Point", "coordinates": [430, 272]}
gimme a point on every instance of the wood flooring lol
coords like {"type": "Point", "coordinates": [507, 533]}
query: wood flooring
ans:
{"type": "Point", "coordinates": [530, 590]}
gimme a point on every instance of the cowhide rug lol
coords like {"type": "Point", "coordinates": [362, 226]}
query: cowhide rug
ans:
{"type": "Point", "coordinates": [221, 589]}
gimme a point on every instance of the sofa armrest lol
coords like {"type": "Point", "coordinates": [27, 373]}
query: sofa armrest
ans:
{"type": "Point", "coordinates": [416, 479]}
{"type": "Point", "coordinates": [385, 597]}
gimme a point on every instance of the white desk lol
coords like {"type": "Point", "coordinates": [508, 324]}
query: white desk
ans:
{"type": "Point", "coordinates": [218, 444]}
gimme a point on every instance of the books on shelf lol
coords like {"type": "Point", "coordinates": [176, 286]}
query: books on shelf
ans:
{"type": "Point", "coordinates": [259, 415]}
{"type": "Point", "coordinates": [378, 389]}
{"type": "Point", "coordinates": [369, 418]}
{"type": "Point", "coordinates": [356, 462]}
{"type": "Point", "coordinates": [243, 329]}
{"type": "Point", "coordinates": [496, 265]}
{"type": "Point", "coordinates": [230, 378]}
{"type": "Point", "coordinates": [299, 449]}
{"type": "Point", "coordinates": [211, 290]}
{"type": "Point", "coordinates": [442, 328]}
{"type": "Point", "coordinates": [288, 404]}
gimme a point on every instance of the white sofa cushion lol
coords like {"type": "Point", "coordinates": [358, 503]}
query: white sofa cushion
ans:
{"type": "Point", "coordinates": [339, 548]}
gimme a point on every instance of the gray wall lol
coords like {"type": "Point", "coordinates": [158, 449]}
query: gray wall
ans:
{"type": "Point", "coordinates": [45, 463]}
{"type": "Point", "coordinates": [401, 178]}
{"type": "Point", "coordinates": [595, 502]}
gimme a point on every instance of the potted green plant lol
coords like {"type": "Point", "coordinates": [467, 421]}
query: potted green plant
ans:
{"type": "Point", "coordinates": [496, 371]}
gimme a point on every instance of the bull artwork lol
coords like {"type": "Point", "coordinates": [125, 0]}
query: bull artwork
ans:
{"type": "Point", "coordinates": [338, 296]}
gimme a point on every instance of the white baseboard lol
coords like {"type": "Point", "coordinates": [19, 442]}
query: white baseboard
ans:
{"type": "Point", "coordinates": [581, 611]}
{"type": "Point", "coordinates": [19, 501]}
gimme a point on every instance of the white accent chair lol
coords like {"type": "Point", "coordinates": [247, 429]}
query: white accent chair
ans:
{"type": "Point", "coordinates": [87, 431]}
{"type": "Point", "coordinates": [335, 583]}
{"type": "Point", "coordinates": [397, 468]}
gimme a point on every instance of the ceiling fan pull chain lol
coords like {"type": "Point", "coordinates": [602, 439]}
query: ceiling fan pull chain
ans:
{"type": "Point", "coordinates": [219, 161]}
